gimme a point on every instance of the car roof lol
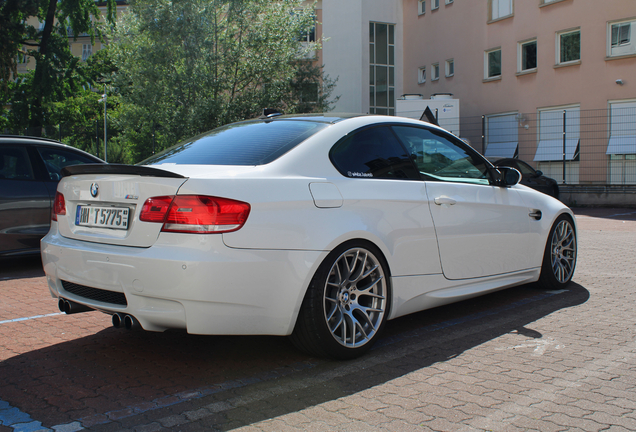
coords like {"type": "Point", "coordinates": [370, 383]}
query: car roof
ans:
{"type": "Point", "coordinates": [316, 117]}
{"type": "Point", "coordinates": [25, 139]}
{"type": "Point", "coordinates": [31, 140]}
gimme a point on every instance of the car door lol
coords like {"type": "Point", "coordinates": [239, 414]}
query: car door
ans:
{"type": "Point", "coordinates": [25, 211]}
{"type": "Point", "coordinates": [482, 229]}
{"type": "Point", "coordinates": [383, 186]}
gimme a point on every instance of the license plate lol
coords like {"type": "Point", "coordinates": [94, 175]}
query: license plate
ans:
{"type": "Point", "coordinates": [107, 217]}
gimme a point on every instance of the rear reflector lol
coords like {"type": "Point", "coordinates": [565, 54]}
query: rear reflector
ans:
{"type": "Point", "coordinates": [59, 206]}
{"type": "Point", "coordinates": [195, 213]}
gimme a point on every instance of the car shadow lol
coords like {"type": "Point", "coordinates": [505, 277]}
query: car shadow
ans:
{"type": "Point", "coordinates": [19, 267]}
{"type": "Point", "coordinates": [131, 377]}
{"type": "Point", "coordinates": [606, 212]}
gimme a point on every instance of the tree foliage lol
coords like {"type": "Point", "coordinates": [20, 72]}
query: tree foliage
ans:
{"type": "Point", "coordinates": [58, 74]}
{"type": "Point", "coordinates": [189, 66]}
{"type": "Point", "coordinates": [171, 69]}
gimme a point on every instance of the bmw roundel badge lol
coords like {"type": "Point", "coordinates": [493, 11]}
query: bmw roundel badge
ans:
{"type": "Point", "coordinates": [94, 190]}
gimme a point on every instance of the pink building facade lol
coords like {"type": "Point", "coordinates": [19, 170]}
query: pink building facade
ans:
{"type": "Point", "coordinates": [521, 64]}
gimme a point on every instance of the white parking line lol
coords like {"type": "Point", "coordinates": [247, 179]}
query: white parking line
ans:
{"type": "Point", "coordinates": [30, 318]}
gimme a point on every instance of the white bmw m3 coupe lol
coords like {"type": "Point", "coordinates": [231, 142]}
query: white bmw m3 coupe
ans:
{"type": "Point", "coordinates": [315, 226]}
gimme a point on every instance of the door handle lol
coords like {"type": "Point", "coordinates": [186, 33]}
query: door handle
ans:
{"type": "Point", "coordinates": [535, 214]}
{"type": "Point", "coordinates": [444, 200]}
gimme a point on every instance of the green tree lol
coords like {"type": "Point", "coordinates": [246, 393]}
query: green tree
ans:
{"type": "Point", "coordinates": [80, 116]}
{"type": "Point", "coordinates": [58, 74]}
{"type": "Point", "coordinates": [14, 34]}
{"type": "Point", "coordinates": [189, 66]}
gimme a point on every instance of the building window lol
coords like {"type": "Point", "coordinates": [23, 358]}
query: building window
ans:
{"type": "Point", "coordinates": [546, 2]}
{"type": "Point", "coordinates": [434, 4]}
{"type": "Point", "coordinates": [434, 71]}
{"type": "Point", "coordinates": [308, 36]}
{"type": "Point", "coordinates": [620, 38]}
{"type": "Point", "coordinates": [502, 135]}
{"type": "Point", "coordinates": [621, 147]}
{"type": "Point", "coordinates": [87, 51]}
{"type": "Point", "coordinates": [449, 2]}
{"type": "Point", "coordinates": [449, 67]}
{"type": "Point", "coordinates": [499, 9]}
{"type": "Point", "coordinates": [493, 64]}
{"type": "Point", "coordinates": [421, 75]}
{"type": "Point", "coordinates": [307, 41]}
{"type": "Point", "coordinates": [559, 141]}
{"type": "Point", "coordinates": [421, 7]}
{"type": "Point", "coordinates": [527, 54]}
{"type": "Point", "coordinates": [382, 68]}
{"type": "Point", "coordinates": [568, 47]}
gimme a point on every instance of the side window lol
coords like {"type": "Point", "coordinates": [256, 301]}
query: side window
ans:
{"type": "Point", "coordinates": [15, 163]}
{"type": "Point", "coordinates": [56, 159]}
{"type": "Point", "coordinates": [525, 169]}
{"type": "Point", "coordinates": [373, 153]}
{"type": "Point", "coordinates": [439, 158]}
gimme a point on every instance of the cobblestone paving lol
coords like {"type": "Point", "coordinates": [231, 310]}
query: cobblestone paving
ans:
{"type": "Point", "coordinates": [521, 359]}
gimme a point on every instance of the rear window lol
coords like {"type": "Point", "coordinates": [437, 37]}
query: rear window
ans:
{"type": "Point", "coordinates": [249, 143]}
{"type": "Point", "coordinates": [373, 153]}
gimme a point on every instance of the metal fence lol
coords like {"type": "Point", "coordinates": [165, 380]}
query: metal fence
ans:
{"type": "Point", "coordinates": [573, 146]}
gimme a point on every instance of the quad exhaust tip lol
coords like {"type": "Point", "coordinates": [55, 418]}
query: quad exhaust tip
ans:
{"type": "Point", "coordinates": [126, 321]}
{"type": "Point", "coordinates": [70, 307]}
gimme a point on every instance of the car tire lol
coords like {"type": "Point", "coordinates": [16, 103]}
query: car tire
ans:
{"type": "Point", "coordinates": [350, 290]}
{"type": "Point", "coordinates": [559, 258]}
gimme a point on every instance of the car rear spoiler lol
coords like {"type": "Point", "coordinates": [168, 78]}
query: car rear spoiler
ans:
{"type": "Point", "coordinates": [139, 170]}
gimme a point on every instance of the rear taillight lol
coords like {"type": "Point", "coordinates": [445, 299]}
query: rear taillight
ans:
{"type": "Point", "coordinates": [59, 206]}
{"type": "Point", "coordinates": [155, 209]}
{"type": "Point", "coordinates": [195, 213]}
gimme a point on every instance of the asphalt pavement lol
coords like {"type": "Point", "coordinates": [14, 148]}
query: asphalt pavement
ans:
{"type": "Point", "coordinates": [519, 359]}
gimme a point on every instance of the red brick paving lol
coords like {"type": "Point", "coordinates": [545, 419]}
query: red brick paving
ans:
{"type": "Point", "coordinates": [65, 368]}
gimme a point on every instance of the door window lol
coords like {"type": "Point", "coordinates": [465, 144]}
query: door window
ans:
{"type": "Point", "coordinates": [525, 169]}
{"type": "Point", "coordinates": [56, 159]}
{"type": "Point", "coordinates": [15, 164]}
{"type": "Point", "coordinates": [439, 158]}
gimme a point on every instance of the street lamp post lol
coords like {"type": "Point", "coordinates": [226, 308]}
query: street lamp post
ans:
{"type": "Point", "coordinates": [103, 99]}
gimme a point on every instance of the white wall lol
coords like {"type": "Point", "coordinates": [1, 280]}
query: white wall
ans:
{"type": "Point", "coordinates": [345, 23]}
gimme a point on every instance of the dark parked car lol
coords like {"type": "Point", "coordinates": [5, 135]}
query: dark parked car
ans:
{"type": "Point", "coordinates": [30, 169]}
{"type": "Point", "coordinates": [529, 176]}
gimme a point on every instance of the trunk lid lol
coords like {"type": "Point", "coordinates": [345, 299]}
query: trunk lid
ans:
{"type": "Point", "coordinates": [103, 202]}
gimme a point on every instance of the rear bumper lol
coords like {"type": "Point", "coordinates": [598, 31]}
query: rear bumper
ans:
{"type": "Point", "coordinates": [192, 282]}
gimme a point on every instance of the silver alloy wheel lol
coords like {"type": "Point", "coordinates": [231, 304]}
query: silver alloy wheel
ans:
{"type": "Point", "coordinates": [355, 297]}
{"type": "Point", "coordinates": [563, 251]}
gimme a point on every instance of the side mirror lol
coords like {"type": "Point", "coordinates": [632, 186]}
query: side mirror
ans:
{"type": "Point", "coordinates": [509, 176]}
{"type": "Point", "coordinates": [539, 173]}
